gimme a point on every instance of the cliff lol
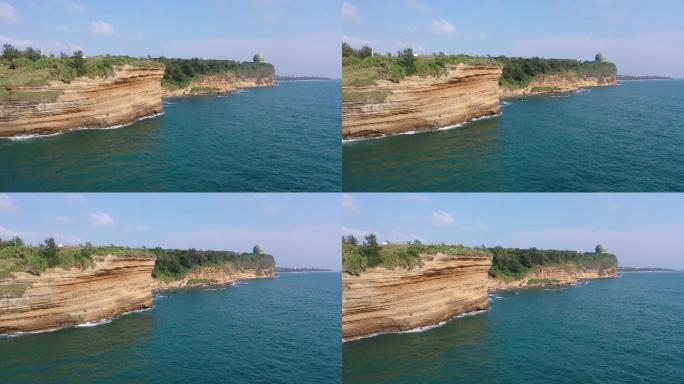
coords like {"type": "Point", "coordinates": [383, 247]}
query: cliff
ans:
{"type": "Point", "coordinates": [381, 300]}
{"type": "Point", "coordinates": [553, 276]}
{"type": "Point", "coordinates": [214, 275]}
{"type": "Point", "coordinates": [559, 83]}
{"type": "Point", "coordinates": [60, 298]}
{"type": "Point", "coordinates": [418, 103]}
{"type": "Point", "coordinates": [223, 83]}
{"type": "Point", "coordinates": [132, 92]}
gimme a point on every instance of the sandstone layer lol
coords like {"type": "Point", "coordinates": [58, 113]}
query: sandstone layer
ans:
{"type": "Point", "coordinates": [132, 92]}
{"type": "Point", "coordinates": [215, 275]}
{"type": "Point", "coordinates": [466, 92]}
{"type": "Point", "coordinates": [562, 83]}
{"type": "Point", "coordinates": [553, 276]}
{"type": "Point", "coordinates": [381, 300]}
{"type": "Point", "coordinates": [224, 83]}
{"type": "Point", "coordinates": [60, 298]}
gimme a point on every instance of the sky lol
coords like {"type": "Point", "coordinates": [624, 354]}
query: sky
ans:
{"type": "Point", "coordinates": [299, 230]}
{"type": "Point", "coordinates": [642, 38]}
{"type": "Point", "coordinates": [641, 229]}
{"type": "Point", "coordinates": [300, 37]}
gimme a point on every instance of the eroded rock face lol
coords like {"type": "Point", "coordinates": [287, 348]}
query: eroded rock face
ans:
{"type": "Point", "coordinates": [60, 298]}
{"type": "Point", "coordinates": [553, 276]}
{"type": "Point", "coordinates": [216, 275]}
{"type": "Point", "coordinates": [419, 104]}
{"type": "Point", "coordinates": [564, 83]}
{"type": "Point", "coordinates": [131, 93]}
{"type": "Point", "coordinates": [380, 300]}
{"type": "Point", "coordinates": [223, 83]}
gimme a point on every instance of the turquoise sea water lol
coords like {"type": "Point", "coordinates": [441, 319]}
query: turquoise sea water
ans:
{"type": "Point", "coordinates": [623, 139]}
{"type": "Point", "coordinates": [284, 138]}
{"type": "Point", "coordinates": [627, 330]}
{"type": "Point", "coordinates": [283, 330]}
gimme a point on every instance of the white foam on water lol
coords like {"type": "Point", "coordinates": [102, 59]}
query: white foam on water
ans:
{"type": "Point", "coordinates": [34, 136]}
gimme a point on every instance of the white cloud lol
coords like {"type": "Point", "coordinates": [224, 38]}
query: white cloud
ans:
{"type": "Point", "coordinates": [66, 239]}
{"type": "Point", "coordinates": [100, 219]}
{"type": "Point", "coordinates": [417, 6]}
{"type": "Point", "coordinates": [417, 47]}
{"type": "Point", "coordinates": [349, 12]}
{"type": "Point", "coordinates": [348, 203]}
{"type": "Point", "coordinates": [73, 6]}
{"type": "Point", "coordinates": [7, 13]}
{"type": "Point", "coordinates": [101, 28]}
{"type": "Point", "coordinates": [441, 219]}
{"type": "Point", "coordinates": [140, 227]}
{"type": "Point", "coordinates": [7, 233]}
{"type": "Point", "coordinates": [442, 27]}
{"type": "Point", "coordinates": [6, 203]}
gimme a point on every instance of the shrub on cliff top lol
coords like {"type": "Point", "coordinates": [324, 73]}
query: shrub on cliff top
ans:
{"type": "Point", "coordinates": [516, 263]}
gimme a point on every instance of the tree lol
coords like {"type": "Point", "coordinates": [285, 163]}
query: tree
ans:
{"type": "Point", "coordinates": [32, 54]}
{"type": "Point", "coordinates": [78, 62]}
{"type": "Point", "coordinates": [350, 239]}
{"type": "Point", "coordinates": [9, 52]}
{"type": "Point", "coordinates": [347, 50]}
{"type": "Point", "coordinates": [407, 60]}
{"type": "Point", "coordinates": [49, 251]}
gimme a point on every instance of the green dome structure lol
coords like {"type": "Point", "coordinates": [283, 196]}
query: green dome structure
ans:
{"type": "Point", "coordinates": [601, 58]}
{"type": "Point", "coordinates": [601, 249]}
{"type": "Point", "coordinates": [258, 249]}
{"type": "Point", "coordinates": [258, 58]}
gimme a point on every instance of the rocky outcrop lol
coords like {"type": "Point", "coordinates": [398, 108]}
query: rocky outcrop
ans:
{"type": "Point", "coordinates": [131, 93]}
{"type": "Point", "coordinates": [559, 83]}
{"type": "Point", "coordinates": [61, 298]}
{"type": "Point", "coordinates": [466, 92]}
{"type": "Point", "coordinates": [381, 300]}
{"type": "Point", "coordinates": [214, 275]}
{"type": "Point", "coordinates": [553, 276]}
{"type": "Point", "coordinates": [224, 83]}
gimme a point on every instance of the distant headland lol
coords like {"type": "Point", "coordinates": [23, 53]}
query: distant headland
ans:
{"type": "Point", "coordinates": [633, 77]}
{"type": "Point", "coordinates": [290, 269]}
{"type": "Point", "coordinates": [644, 269]}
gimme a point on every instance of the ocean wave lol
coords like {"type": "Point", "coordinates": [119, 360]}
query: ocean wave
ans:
{"type": "Point", "coordinates": [34, 136]}
{"type": "Point", "coordinates": [448, 127]}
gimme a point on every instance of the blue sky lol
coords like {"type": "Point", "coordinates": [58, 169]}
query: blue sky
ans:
{"type": "Point", "coordinates": [641, 229]}
{"type": "Point", "coordinates": [640, 37]}
{"type": "Point", "coordinates": [301, 37]}
{"type": "Point", "coordinates": [300, 230]}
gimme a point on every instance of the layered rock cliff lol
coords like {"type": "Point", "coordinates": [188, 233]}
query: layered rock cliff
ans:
{"type": "Point", "coordinates": [380, 300]}
{"type": "Point", "coordinates": [59, 298]}
{"type": "Point", "coordinates": [223, 83]}
{"type": "Point", "coordinates": [553, 276]}
{"type": "Point", "coordinates": [559, 83]}
{"type": "Point", "coordinates": [418, 104]}
{"type": "Point", "coordinates": [214, 275]}
{"type": "Point", "coordinates": [132, 92]}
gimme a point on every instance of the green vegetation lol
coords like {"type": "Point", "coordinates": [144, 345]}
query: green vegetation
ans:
{"type": "Point", "coordinates": [515, 263]}
{"type": "Point", "coordinates": [201, 281]}
{"type": "Point", "coordinates": [360, 68]}
{"type": "Point", "coordinates": [15, 256]}
{"type": "Point", "coordinates": [30, 68]}
{"type": "Point", "coordinates": [180, 72]}
{"type": "Point", "coordinates": [518, 72]}
{"type": "Point", "coordinates": [203, 89]}
{"type": "Point", "coordinates": [174, 264]}
{"type": "Point", "coordinates": [544, 89]}
{"type": "Point", "coordinates": [357, 257]}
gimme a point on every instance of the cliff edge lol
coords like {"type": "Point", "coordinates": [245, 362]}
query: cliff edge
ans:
{"type": "Point", "coordinates": [60, 298]}
{"type": "Point", "coordinates": [382, 300]}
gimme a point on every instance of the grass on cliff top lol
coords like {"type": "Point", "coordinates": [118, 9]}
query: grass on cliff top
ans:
{"type": "Point", "coordinates": [23, 72]}
{"type": "Point", "coordinates": [18, 257]}
{"type": "Point", "coordinates": [356, 257]}
{"type": "Point", "coordinates": [519, 72]}
{"type": "Point", "coordinates": [364, 71]}
{"type": "Point", "coordinates": [514, 263]}
{"type": "Point", "coordinates": [179, 73]}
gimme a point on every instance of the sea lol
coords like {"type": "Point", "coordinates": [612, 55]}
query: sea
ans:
{"type": "Point", "coordinates": [282, 138]}
{"type": "Point", "coordinates": [627, 138]}
{"type": "Point", "coordinates": [281, 330]}
{"type": "Point", "coordinates": [624, 330]}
